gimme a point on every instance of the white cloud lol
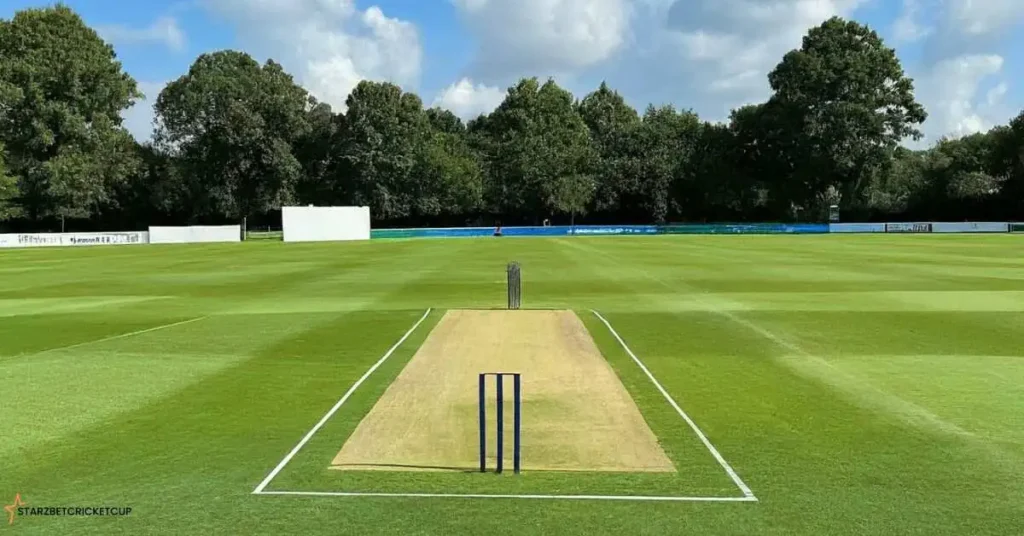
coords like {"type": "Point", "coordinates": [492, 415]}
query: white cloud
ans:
{"type": "Point", "coordinates": [730, 46]}
{"type": "Point", "coordinates": [139, 118]}
{"type": "Point", "coordinates": [727, 48]}
{"type": "Point", "coordinates": [164, 31]}
{"type": "Point", "coordinates": [994, 97]}
{"type": "Point", "coordinates": [330, 45]}
{"type": "Point", "coordinates": [951, 92]}
{"type": "Point", "coordinates": [468, 100]}
{"type": "Point", "coordinates": [707, 54]}
{"type": "Point", "coordinates": [909, 27]}
{"type": "Point", "coordinates": [979, 17]}
{"type": "Point", "coordinates": [960, 76]}
{"type": "Point", "coordinates": [544, 37]}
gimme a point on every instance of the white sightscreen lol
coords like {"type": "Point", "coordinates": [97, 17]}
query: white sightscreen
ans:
{"type": "Point", "coordinates": [322, 224]}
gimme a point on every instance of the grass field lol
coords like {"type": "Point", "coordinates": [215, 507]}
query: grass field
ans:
{"type": "Point", "coordinates": [856, 384]}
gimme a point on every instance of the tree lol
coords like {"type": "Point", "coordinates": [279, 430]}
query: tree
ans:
{"type": "Point", "coordinates": [232, 124]}
{"type": "Point", "coordinates": [900, 185]}
{"type": "Point", "coordinates": [959, 179]}
{"type": "Point", "coordinates": [717, 184]}
{"type": "Point", "coordinates": [61, 95]}
{"type": "Point", "coordinates": [1008, 162]}
{"type": "Point", "coordinates": [449, 180]}
{"type": "Point", "coordinates": [612, 123]}
{"type": "Point", "coordinates": [448, 175]}
{"type": "Point", "coordinates": [8, 192]}
{"type": "Point", "coordinates": [768, 152]}
{"type": "Point", "coordinates": [535, 136]}
{"type": "Point", "coordinates": [572, 194]}
{"type": "Point", "coordinates": [385, 132]}
{"type": "Point", "coordinates": [667, 140]}
{"type": "Point", "coordinates": [316, 152]}
{"type": "Point", "coordinates": [968, 167]}
{"type": "Point", "coordinates": [847, 104]}
{"type": "Point", "coordinates": [236, 138]}
{"type": "Point", "coordinates": [606, 114]}
{"type": "Point", "coordinates": [155, 193]}
{"type": "Point", "coordinates": [445, 121]}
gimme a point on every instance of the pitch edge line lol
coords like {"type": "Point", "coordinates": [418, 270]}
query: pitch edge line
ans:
{"type": "Point", "coordinates": [747, 494]}
{"type": "Point", "coordinates": [495, 496]}
{"type": "Point", "coordinates": [266, 481]}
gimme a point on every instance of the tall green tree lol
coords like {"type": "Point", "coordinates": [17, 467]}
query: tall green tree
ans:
{"type": "Point", "coordinates": [900, 185]}
{"type": "Point", "coordinates": [1008, 157]}
{"type": "Point", "coordinates": [667, 140]}
{"type": "Point", "coordinates": [715, 184]}
{"type": "Point", "coordinates": [958, 179]}
{"type": "Point", "coordinates": [154, 194]}
{"type": "Point", "coordinates": [9, 207]}
{"type": "Point", "coordinates": [767, 150]}
{"type": "Point", "coordinates": [606, 114]}
{"type": "Point", "coordinates": [968, 167]}
{"type": "Point", "coordinates": [316, 152]}
{"type": "Point", "coordinates": [235, 137]}
{"type": "Point", "coordinates": [573, 195]}
{"type": "Point", "coordinates": [62, 91]}
{"type": "Point", "coordinates": [534, 137]}
{"type": "Point", "coordinates": [612, 123]}
{"type": "Point", "coordinates": [445, 121]}
{"type": "Point", "coordinates": [448, 177]}
{"type": "Point", "coordinates": [847, 104]}
{"type": "Point", "coordinates": [232, 123]}
{"type": "Point", "coordinates": [386, 129]}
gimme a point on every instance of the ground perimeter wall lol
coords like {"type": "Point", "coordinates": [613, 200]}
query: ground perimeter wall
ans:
{"type": "Point", "coordinates": [232, 233]}
{"type": "Point", "coordinates": [682, 229]}
{"type": "Point", "coordinates": [554, 230]}
{"type": "Point", "coordinates": [971, 227]}
{"type": "Point", "coordinates": [28, 240]}
{"type": "Point", "coordinates": [598, 230]}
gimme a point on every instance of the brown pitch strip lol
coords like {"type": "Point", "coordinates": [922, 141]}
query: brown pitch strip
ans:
{"type": "Point", "coordinates": [577, 416]}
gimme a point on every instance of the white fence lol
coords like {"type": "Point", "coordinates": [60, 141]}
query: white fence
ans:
{"type": "Point", "coordinates": [28, 240]}
{"type": "Point", "coordinates": [323, 224]}
{"type": "Point", "coordinates": [856, 228]}
{"type": "Point", "coordinates": [921, 227]}
{"type": "Point", "coordinates": [971, 227]}
{"type": "Point", "coordinates": [195, 234]}
{"type": "Point", "coordinates": [318, 224]}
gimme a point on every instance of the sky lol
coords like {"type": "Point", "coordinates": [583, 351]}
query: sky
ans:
{"type": "Point", "coordinates": [965, 56]}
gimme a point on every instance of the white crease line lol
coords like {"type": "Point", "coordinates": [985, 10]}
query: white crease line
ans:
{"type": "Point", "coordinates": [714, 452]}
{"type": "Point", "coordinates": [309, 435]}
{"type": "Point", "coordinates": [496, 496]}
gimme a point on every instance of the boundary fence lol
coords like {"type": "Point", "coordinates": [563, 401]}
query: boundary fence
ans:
{"type": "Point", "coordinates": [232, 233]}
{"type": "Point", "coordinates": [693, 229]}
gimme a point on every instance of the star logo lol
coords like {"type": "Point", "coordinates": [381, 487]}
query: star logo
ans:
{"type": "Point", "coordinates": [12, 509]}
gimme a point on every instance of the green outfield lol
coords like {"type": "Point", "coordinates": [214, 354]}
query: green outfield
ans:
{"type": "Point", "coordinates": [854, 384]}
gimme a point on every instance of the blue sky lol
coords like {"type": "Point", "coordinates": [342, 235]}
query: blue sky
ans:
{"type": "Point", "coordinates": [966, 56]}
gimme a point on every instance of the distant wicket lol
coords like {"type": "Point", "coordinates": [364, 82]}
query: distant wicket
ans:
{"type": "Point", "coordinates": [517, 403]}
{"type": "Point", "coordinates": [515, 285]}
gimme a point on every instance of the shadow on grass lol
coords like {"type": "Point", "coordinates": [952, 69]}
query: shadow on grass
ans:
{"type": "Point", "coordinates": [400, 467]}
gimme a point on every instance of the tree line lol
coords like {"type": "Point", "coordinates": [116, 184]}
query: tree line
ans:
{"type": "Point", "coordinates": [234, 138]}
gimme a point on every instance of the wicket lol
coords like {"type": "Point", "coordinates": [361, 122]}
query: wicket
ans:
{"type": "Point", "coordinates": [517, 403]}
{"type": "Point", "coordinates": [515, 287]}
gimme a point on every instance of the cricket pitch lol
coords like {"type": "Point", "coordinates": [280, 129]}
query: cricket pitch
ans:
{"type": "Point", "coordinates": [577, 415]}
